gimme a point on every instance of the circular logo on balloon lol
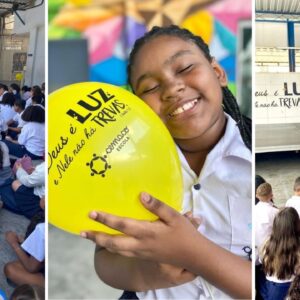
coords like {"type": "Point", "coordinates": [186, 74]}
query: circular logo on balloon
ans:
{"type": "Point", "coordinates": [106, 146]}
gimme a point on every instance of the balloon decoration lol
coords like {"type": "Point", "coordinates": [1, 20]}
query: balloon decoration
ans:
{"type": "Point", "coordinates": [106, 146]}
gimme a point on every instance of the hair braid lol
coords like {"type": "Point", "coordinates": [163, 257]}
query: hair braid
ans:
{"type": "Point", "coordinates": [244, 124]}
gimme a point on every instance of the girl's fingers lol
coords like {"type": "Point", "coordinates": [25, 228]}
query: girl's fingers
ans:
{"type": "Point", "coordinates": [114, 243]}
{"type": "Point", "coordinates": [163, 211]}
{"type": "Point", "coordinates": [125, 225]}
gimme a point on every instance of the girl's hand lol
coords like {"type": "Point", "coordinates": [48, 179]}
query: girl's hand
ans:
{"type": "Point", "coordinates": [8, 138]}
{"type": "Point", "coordinates": [18, 165]}
{"type": "Point", "coordinates": [166, 240]}
{"type": "Point", "coordinates": [12, 238]}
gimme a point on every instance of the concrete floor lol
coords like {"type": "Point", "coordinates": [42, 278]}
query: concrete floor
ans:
{"type": "Point", "coordinates": [71, 272]}
{"type": "Point", "coordinates": [9, 222]}
{"type": "Point", "coordinates": [280, 169]}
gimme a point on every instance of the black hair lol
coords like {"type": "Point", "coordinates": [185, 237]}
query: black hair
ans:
{"type": "Point", "coordinates": [20, 103]}
{"type": "Point", "coordinates": [37, 99]}
{"type": "Point", "coordinates": [15, 87]}
{"type": "Point", "coordinates": [34, 113]}
{"type": "Point", "coordinates": [28, 292]}
{"type": "Point", "coordinates": [26, 88]}
{"type": "Point", "coordinates": [36, 90]}
{"type": "Point", "coordinates": [9, 99]}
{"type": "Point", "coordinates": [3, 86]}
{"type": "Point", "coordinates": [229, 102]}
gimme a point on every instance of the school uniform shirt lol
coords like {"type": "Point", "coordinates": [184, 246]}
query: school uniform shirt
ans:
{"type": "Point", "coordinates": [34, 245]}
{"type": "Point", "coordinates": [265, 213]}
{"type": "Point", "coordinates": [18, 118]}
{"type": "Point", "coordinates": [32, 137]}
{"type": "Point", "coordinates": [7, 112]}
{"type": "Point", "coordinates": [36, 179]}
{"type": "Point", "coordinates": [221, 197]}
{"type": "Point", "coordinates": [6, 171]}
{"type": "Point", "coordinates": [294, 202]}
{"type": "Point", "coordinates": [28, 102]}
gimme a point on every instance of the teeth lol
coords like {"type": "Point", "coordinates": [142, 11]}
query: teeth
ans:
{"type": "Point", "coordinates": [184, 107]}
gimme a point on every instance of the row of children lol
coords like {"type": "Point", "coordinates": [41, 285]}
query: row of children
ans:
{"type": "Point", "coordinates": [22, 189]}
{"type": "Point", "coordinates": [277, 242]}
{"type": "Point", "coordinates": [22, 123]}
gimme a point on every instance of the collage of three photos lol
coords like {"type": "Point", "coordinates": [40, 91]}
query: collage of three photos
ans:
{"type": "Point", "coordinates": [149, 149]}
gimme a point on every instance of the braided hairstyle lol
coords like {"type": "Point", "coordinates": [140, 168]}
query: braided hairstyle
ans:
{"type": "Point", "coordinates": [229, 102]}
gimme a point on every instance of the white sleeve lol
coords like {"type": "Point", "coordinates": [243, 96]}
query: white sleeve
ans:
{"type": "Point", "coordinates": [36, 178]}
{"type": "Point", "coordinates": [22, 139]}
{"type": "Point", "coordinates": [35, 243]}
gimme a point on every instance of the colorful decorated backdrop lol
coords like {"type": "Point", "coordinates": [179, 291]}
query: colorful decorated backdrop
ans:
{"type": "Point", "coordinates": [112, 26]}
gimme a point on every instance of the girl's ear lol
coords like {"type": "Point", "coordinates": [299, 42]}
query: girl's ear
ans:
{"type": "Point", "coordinates": [220, 73]}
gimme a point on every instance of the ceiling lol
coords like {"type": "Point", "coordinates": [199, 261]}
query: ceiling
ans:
{"type": "Point", "coordinates": [7, 6]}
{"type": "Point", "coordinates": [281, 10]}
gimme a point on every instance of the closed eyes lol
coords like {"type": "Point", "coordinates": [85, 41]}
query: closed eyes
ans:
{"type": "Point", "coordinates": [189, 67]}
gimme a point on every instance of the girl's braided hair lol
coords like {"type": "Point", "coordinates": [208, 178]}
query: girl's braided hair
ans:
{"type": "Point", "coordinates": [229, 102]}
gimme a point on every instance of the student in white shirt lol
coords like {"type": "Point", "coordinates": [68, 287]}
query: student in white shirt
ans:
{"type": "Point", "coordinates": [173, 72]}
{"type": "Point", "coordinates": [31, 141]}
{"type": "Point", "coordinates": [28, 269]}
{"type": "Point", "coordinates": [3, 90]}
{"type": "Point", "coordinates": [16, 124]}
{"type": "Point", "coordinates": [265, 213]}
{"type": "Point", "coordinates": [6, 107]}
{"type": "Point", "coordinates": [294, 201]}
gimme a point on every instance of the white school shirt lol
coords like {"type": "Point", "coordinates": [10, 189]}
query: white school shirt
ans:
{"type": "Point", "coordinates": [224, 204]}
{"type": "Point", "coordinates": [265, 213]}
{"type": "Point", "coordinates": [32, 137]}
{"type": "Point", "coordinates": [294, 202]}
{"type": "Point", "coordinates": [18, 118]}
{"type": "Point", "coordinates": [7, 112]}
{"type": "Point", "coordinates": [35, 243]}
{"type": "Point", "coordinates": [36, 179]}
{"type": "Point", "coordinates": [5, 151]}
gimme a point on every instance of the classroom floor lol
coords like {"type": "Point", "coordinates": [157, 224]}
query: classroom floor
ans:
{"type": "Point", "coordinates": [9, 222]}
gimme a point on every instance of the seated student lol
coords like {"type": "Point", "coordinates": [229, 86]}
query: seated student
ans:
{"type": "Point", "coordinates": [280, 255]}
{"type": "Point", "coordinates": [28, 292]}
{"type": "Point", "coordinates": [29, 267]}
{"type": "Point", "coordinates": [295, 200]}
{"type": "Point", "coordinates": [24, 194]}
{"type": "Point", "coordinates": [16, 124]}
{"type": "Point", "coordinates": [35, 91]}
{"type": "Point", "coordinates": [3, 90]}
{"type": "Point", "coordinates": [37, 100]}
{"type": "Point", "coordinates": [31, 140]}
{"type": "Point", "coordinates": [5, 169]}
{"type": "Point", "coordinates": [26, 94]}
{"type": "Point", "coordinates": [15, 89]}
{"type": "Point", "coordinates": [265, 213]}
{"type": "Point", "coordinates": [6, 107]}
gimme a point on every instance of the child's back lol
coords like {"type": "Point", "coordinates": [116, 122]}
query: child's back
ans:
{"type": "Point", "coordinates": [294, 201]}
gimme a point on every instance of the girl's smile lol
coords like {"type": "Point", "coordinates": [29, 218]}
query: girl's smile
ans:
{"type": "Point", "coordinates": [183, 87]}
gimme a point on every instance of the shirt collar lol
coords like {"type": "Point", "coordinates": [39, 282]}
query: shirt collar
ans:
{"type": "Point", "coordinates": [231, 144]}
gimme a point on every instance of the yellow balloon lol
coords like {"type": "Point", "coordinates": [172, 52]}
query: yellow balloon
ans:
{"type": "Point", "coordinates": [106, 146]}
